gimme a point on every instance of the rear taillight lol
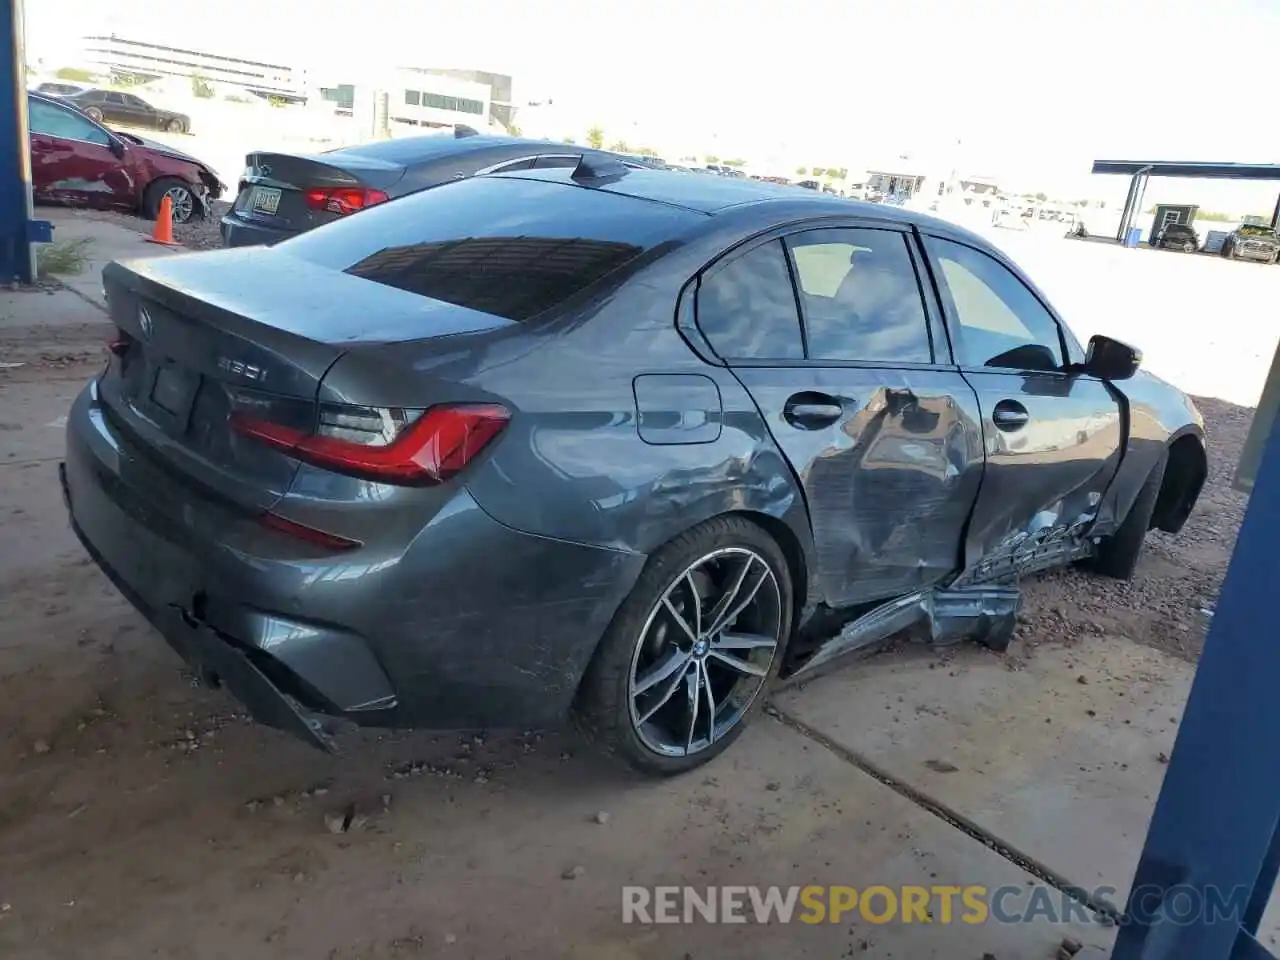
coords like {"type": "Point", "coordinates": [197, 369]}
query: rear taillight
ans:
{"type": "Point", "coordinates": [342, 200]}
{"type": "Point", "coordinates": [405, 447]}
{"type": "Point", "coordinates": [119, 343]}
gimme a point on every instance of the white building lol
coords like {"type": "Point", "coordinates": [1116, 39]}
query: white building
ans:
{"type": "Point", "coordinates": [408, 97]}
{"type": "Point", "coordinates": [120, 55]}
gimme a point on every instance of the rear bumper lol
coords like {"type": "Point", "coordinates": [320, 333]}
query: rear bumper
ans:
{"type": "Point", "coordinates": [470, 624]}
{"type": "Point", "coordinates": [239, 232]}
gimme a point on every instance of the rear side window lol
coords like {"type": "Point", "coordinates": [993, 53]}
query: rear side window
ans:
{"type": "Point", "coordinates": [861, 296]}
{"type": "Point", "coordinates": [747, 307]}
{"type": "Point", "coordinates": [508, 247]}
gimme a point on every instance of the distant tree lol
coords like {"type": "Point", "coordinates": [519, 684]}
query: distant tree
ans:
{"type": "Point", "coordinates": [819, 171]}
{"type": "Point", "coordinates": [646, 151]}
{"type": "Point", "coordinates": [277, 101]}
{"type": "Point", "coordinates": [840, 173]}
{"type": "Point", "coordinates": [74, 74]}
{"type": "Point", "coordinates": [568, 140]}
{"type": "Point", "coordinates": [202, 88]}
{"type": "Point", "coordinates": [514, 130]}
{"type": "Point", "coordinates": [735, 163]}
{"type": "Point", "coordinates": [712, 158]}
{"type": "Point", "coordinates": [595, 137]}
{"type": "Point", "coordinates": [620, 146]}
{"type": "Point", "coordinates": [801, 171]}
{"type": "Point", "coordinates": [1042, 197]}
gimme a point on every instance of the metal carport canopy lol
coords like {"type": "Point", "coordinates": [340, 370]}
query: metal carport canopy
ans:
{"type": "Point", "coordinates": [1190, 168]}
{"type": "Point", "coordinates": [1139, 171]}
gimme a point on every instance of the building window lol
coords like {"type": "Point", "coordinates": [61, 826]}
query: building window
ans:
{"type": "Point", "coordinates": [412, 97]}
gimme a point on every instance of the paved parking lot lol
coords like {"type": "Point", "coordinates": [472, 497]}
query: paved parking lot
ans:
{"type": "Point", "coordinates": [145, 816]}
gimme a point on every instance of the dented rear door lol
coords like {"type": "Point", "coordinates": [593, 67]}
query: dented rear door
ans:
{"type": "Point", "coordinates": [880, 430]}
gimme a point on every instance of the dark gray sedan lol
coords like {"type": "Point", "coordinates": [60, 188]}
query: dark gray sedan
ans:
{"type": "Point", "coordinates": [284, 194]}
{"type": "Point", "coordinates": [621, 444]}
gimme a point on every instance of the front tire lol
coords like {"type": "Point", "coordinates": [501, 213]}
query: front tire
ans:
{"type": "Point", "coordinates": [181, 197]}
{"type": "Point", "coordinates": [94, 114]}
{"type": "Point", "coordinates": [686, 662]}
{"type": "Point", "coordinates": [1118, 554]}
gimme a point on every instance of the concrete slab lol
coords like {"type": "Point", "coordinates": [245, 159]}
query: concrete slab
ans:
{"type": "Point", "coordinates": [1061, 759]}
{"type": "Point", "coordinates": [105, 241]}
{"type": "Point", "coordinates": [32, 416]}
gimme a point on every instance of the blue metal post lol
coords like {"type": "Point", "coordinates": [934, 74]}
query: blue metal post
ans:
{"type": "Point", "coordinates": [1213, 835]}
{"type": "Point", "coordinates": [17, 228]}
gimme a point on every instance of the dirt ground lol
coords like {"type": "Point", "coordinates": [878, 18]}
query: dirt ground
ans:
{"type": "Point", "coordinates": [144, 816]}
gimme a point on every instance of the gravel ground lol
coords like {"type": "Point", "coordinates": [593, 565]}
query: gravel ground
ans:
{"type": "Point", "coordinates": [1178, 576]}
{"type": "Point", "coordinates": [199, 234]}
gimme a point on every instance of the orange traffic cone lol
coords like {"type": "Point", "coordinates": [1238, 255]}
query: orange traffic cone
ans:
{"type": "Point", "coordinates": [162, 232]}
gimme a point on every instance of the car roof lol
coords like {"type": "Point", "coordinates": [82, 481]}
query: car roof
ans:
{"type": "Point", "coordinates": [413, 150]}
{"type": "Point", "coordinates": [713, 195]}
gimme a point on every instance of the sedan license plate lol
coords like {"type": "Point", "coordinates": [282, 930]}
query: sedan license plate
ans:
{"type": "Point", "coordinates": [174, 392]}
{"type": "Point", "coordinates": [265, 200]}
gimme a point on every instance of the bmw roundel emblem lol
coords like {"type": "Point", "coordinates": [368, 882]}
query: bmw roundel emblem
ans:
{"type": "Point", "coordinates": [145, 322]}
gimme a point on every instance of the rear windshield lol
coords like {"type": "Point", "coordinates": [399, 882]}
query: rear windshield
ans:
{"type": "Point", "coordinates": [509, 247]}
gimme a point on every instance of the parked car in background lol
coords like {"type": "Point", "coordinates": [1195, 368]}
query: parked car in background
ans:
{"type": "Point", "coordinates": [59, 88]}
{"type": "Point", "coordinates": [1252, 242]}
{"type": "Point", "coordinates": [1177, 236]}
{"type": "Point", "coordinates": [605, 441]}
{"type": "Point", "coordinates": [77, 162]}
{"type": "Point", "coordinates": [128, 109]}
{"type": "Point", "coordinates": [284, 194]}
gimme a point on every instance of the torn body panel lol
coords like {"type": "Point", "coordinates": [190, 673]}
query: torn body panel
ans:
{"type": "Point", "coordinates": [1053, 444]}
{"type": "Point", "coordinates": [980, 612]}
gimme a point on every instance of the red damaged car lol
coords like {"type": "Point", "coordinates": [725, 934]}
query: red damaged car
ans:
{"type": "Point", "coordinates": [77, 162]}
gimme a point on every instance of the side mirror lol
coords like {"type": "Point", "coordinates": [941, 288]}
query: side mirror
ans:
{"type": "Point", "coordinates": [1109, 359]}
{"type": "Point", "coordinates": [118, 148]}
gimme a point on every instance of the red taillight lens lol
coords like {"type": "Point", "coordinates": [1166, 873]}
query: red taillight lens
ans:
{"type": "Point", "coordinates": [387, 445]}
{"type": "Point", "coordinates": [343, 200]}
{"type": "Point", "coordinates": [119, 344]}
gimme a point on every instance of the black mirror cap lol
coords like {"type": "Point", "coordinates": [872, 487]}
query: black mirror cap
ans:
{"type": "Point", "coordinates": [1109, 359]}
{"type": "Point", "coordinates": [118, 147]}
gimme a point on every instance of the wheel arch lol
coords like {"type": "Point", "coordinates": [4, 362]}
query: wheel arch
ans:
{"type": "Point", "coordinates": [1185, 474]}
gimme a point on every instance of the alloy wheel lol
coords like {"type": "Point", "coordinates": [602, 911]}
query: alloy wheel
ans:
{"type": "Point", "coordinates": [183, 202]}
{"type": "Point", "coordinates": [706, 651]}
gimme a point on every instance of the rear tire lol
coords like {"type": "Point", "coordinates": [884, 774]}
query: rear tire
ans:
{"type": "Point", "coordinates": [94, 114]}
{"type": "Point", "coordinates": [618, 710]}
{"type": "Point", "coordinates": [1188, 247]}
{"type": "Point", "coordinates": [175, 126]}
{"type": "Point", "coordinates": [1118, 554]}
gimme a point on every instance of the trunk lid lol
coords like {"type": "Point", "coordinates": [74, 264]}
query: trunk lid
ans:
{"type": "Point", "coordinates": [200, 349]}
{"type": "Point", "coordinates": [273, 187]}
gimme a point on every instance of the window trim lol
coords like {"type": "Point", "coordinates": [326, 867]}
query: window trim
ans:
{"type": "Point", "coordinates": [726, 261]}
{"type": "Point", "coordinates": [933, 310]}
{"type": "Point", "coordinates": [908, 246]}
{"type": "Point", "coordinates": [79, 116]}
{"type": "Point", "coordinates": [504, 165]}
{"type": "Point", "coordinates": [955, 328]}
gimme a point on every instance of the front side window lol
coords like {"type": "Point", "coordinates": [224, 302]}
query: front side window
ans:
{"type": "Point", "coordinates": [115, 98]}
{"type": "Point", "coordinates": [861, 296]}
{"type": "Point", "coordinates": [747, 307]}
{"type": "Point", "coordinates": [52, 121]}
{"type": "Point", "coordinates": [1000, 322]}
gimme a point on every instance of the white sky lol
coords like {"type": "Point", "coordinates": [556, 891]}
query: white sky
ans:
{"type": "Point", "coordinates": [1035, 91]}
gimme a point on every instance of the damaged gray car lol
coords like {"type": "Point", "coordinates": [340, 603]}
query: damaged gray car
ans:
{"type": "Point", "coordinates": [600, 442]}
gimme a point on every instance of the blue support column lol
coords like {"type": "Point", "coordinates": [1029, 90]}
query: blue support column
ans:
{"type": "Point", "coordinates": [18, 230]}
{"type": "Point", "coordinates": [1213, 836]}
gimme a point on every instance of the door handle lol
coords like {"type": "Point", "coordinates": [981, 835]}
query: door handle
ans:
{"type": "Point", "coordinates": [812, 411]}
{"type": "Point", "coordinates": [1010, 415]}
